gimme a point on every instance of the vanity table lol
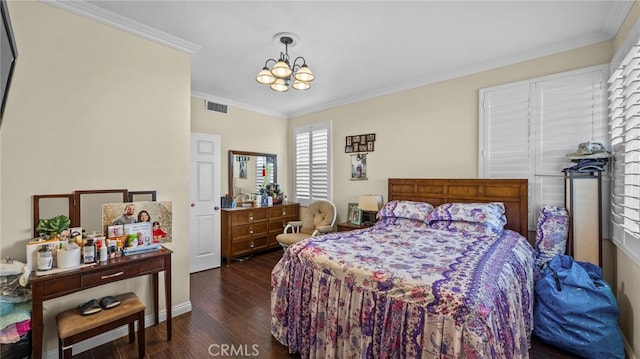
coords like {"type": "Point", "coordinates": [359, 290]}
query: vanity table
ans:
{"type": "Point", "coordinates": [49, 286]}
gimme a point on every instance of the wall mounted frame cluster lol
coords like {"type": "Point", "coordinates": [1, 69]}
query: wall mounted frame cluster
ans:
{"type": "Point", "coordinates": [359, 143]}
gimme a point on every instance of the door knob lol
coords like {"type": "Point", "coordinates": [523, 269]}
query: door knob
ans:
{"type": "Point", "coordinates": [216, 208]}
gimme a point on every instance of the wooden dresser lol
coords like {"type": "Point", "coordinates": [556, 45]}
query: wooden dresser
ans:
{"type": "Point", "coordinates": [249, 230]}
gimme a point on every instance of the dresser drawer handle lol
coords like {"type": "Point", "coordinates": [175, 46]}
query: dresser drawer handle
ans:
{"type": "Point", "coordinates": [251, 231]}
{"type": "Point", "coordinates": [252, 245]}
{"type": "Point", "coordinates": [251, 218]}
{"type": "Point", "coordinates": [284, 213]}
{"type": "Point", "coordinates": [112, 275]}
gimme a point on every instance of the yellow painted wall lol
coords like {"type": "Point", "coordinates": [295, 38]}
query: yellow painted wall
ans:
{"type": "Point", "coordinates": [114, 111]}
{"type": "Point", "coordinates": [91, 107]}
{"type": "Point", "coordinates": [431, 131]}
{"type": "Point", "coordinates": [242, 130]}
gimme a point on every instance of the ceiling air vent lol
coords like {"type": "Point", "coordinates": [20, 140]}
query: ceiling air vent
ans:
{"type": "Point", "coordinates": [216, 107]}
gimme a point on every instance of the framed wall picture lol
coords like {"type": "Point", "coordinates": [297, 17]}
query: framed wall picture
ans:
{"type": "Point", "coordinates": [359, 167]}
{"type": "Point", "coordinates": [360, 143]}
{"type": "Point", "coordinates": [354, 214]}
{"type": "Point", "coordinates": [243, 170]}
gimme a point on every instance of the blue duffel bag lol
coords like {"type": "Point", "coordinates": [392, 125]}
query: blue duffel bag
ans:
{"type": "Point", "coordinates": [576, 310]}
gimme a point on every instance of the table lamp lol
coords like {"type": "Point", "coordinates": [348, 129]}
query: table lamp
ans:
{"type": "Point", "coordinates": [370, 204]}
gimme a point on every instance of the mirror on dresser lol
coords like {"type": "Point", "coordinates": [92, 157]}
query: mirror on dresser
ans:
{"type": "Point", "coordinates": [83, 208]}
{"type": "Point", "coordinates": [248, 171]}
{"type": "Point", "coordinates": [89, 207]}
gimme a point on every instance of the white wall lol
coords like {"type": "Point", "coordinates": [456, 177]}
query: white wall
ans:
{"type": "Point", "coordinates": [91, 107]}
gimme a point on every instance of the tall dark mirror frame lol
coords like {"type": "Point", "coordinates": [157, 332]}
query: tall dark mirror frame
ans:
{"type": "Point", "coordinates": [232, 153]}
{"type": "Point", "coordinates": [50, 205]}
{"type": "Point", "coordinates": [142, 196]}
{"type": "Point", "coordinates": [89, 207]}
{"type": "Point", "coordinates": [84, 208]}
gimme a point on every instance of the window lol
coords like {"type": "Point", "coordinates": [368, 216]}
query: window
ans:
{"type": "Point", "coordinates": [624, 129]}
{"type": "Point", "coordinates": [527, 129]}
{"type": "Point", "coordinates": [312, 163]}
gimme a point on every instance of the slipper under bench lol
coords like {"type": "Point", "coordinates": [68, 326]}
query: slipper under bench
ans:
{"type": "Point", "coordinates": [73, 327]}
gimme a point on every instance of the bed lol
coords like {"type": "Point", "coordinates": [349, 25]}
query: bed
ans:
{"type": "Point", "coordinates": [436, 277]}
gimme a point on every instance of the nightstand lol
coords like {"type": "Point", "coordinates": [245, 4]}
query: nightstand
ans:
{"type": "Point", "coordinates": [346, 226]}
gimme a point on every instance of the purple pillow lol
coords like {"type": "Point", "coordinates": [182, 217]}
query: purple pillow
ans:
{"type": "Point", "coordinates": [402, 222]}
{"type": "Point", "coordinates": [406, 209]}
{"type": "Point", "coordinates": [491, 214]}
{"type": "Point", "coordinates": [551, 236]}
{"type": "Point", "coordinates": [465, 227]}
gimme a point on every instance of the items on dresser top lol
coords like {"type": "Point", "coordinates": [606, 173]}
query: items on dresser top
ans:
{"type": "Point", "coordinates": [60, 255]}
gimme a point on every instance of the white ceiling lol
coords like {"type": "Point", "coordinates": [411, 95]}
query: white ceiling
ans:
{"type": "Point", "coordinates": [356, 49]}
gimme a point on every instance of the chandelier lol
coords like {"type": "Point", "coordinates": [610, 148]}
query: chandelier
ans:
{"type": "Point", "coordinates": [279, 77]}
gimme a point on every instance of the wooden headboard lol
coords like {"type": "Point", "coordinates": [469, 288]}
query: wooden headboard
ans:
{"type": "Point", "coordinates": [512, 192]}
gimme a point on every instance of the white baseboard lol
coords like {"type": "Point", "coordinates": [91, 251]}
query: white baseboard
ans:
{"type": "Point", "coordinates": [119, 332]}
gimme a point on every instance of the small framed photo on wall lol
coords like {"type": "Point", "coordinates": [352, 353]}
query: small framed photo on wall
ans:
{"type": "Point", "coordinates": [359, 167]}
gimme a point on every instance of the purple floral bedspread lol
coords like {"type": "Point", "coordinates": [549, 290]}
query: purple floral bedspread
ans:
{"type": "Point", "coordinates": [394, 291]}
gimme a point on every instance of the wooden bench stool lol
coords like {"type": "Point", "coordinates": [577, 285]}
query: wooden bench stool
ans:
{"type": "Point", "coordinates": [73, 327]}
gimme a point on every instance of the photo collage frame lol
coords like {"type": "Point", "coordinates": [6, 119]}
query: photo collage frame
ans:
{"type": "Point", "coordinates": [360, 143]}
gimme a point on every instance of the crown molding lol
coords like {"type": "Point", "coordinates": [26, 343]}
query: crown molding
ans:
{"type": "Point", "coordinates": [109, 18]}
{"type": "Point", "coordinates": [452, 73]}
{"type": "Point", "coordinates": [615, 20]}
{"type": "Point", "coordinates": [619, 12]}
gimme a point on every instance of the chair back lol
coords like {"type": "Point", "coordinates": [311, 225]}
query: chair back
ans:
{"type": "Point", "coordinates": [320, 213]}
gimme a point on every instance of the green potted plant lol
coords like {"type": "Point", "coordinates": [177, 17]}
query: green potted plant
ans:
{"type": "Point", "coordinates": [53, 226]}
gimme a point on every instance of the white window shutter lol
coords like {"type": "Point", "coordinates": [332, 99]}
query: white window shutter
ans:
{"type": "Point", "coordinates": [506, 133]}
{"type": "Point", "coordinates": [312, 163]}
{"type": "Point", "coordinates": [624, 130]}
{"type": "Point", "coordinates": [572, 110]}
{"type": "Point", "coordinates": [303, 166]}
{"type": "Point", "coordinates": [320, 163]}
{"type": "Point", "coordinates": [505, 146]}
{"type": "Point", "coordinates": [527, 129]}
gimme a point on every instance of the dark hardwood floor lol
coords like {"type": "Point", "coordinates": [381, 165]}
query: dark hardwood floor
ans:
{"type": "Point", "coordinates": [231, 311]}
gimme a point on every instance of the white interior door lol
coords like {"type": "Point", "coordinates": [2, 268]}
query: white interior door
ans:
{"type": "Point", "coordinates": [205, 202]}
